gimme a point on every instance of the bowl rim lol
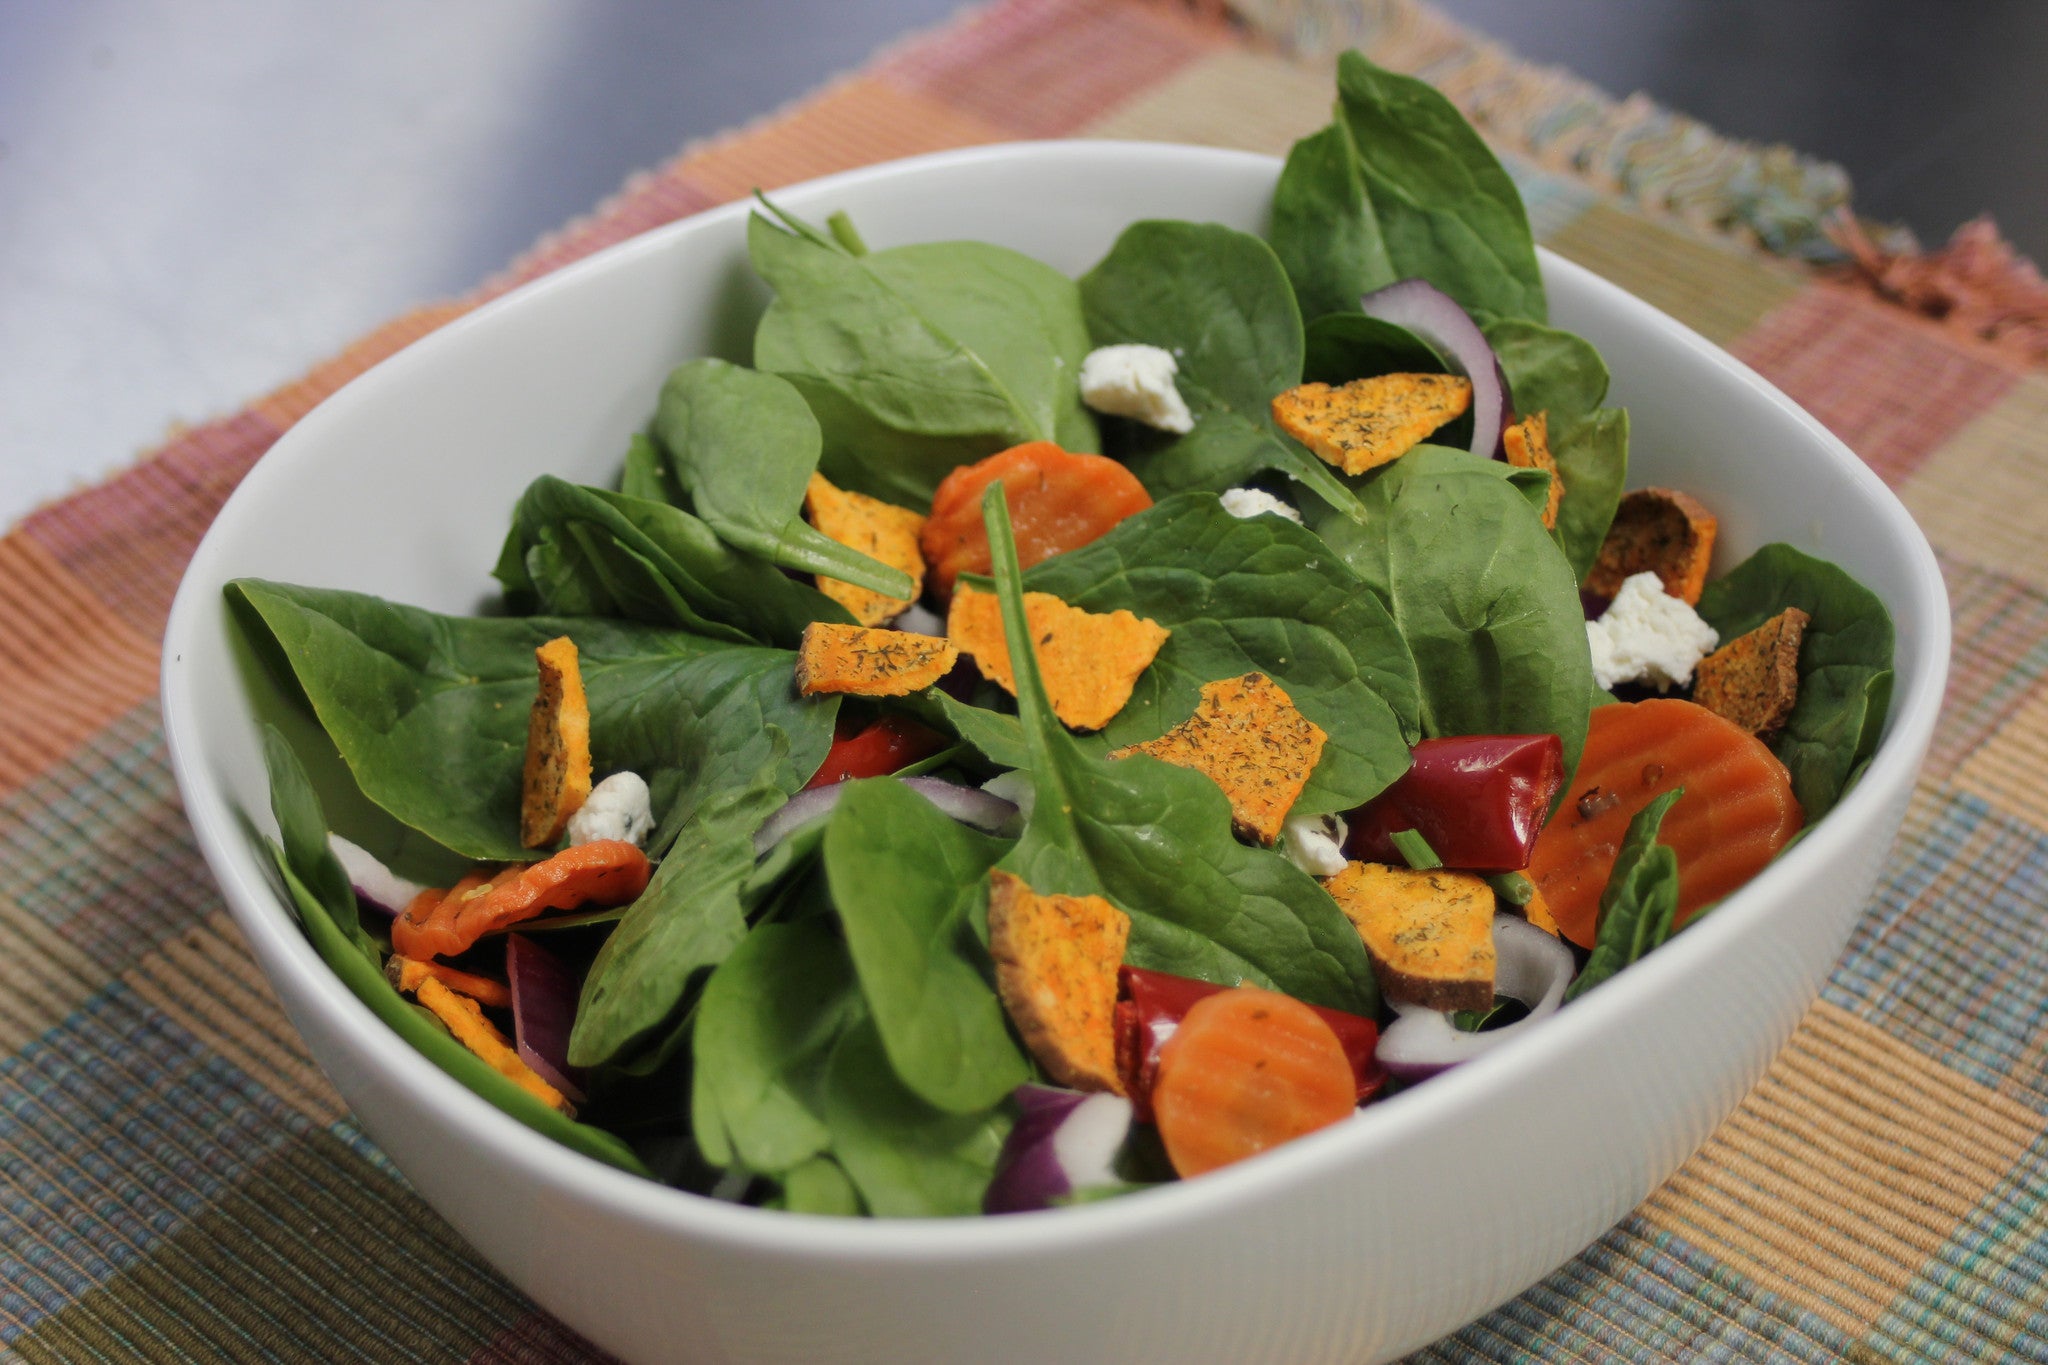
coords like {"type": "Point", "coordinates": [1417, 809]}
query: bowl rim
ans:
{"type": "Point", "coordinates": [630, 1198]}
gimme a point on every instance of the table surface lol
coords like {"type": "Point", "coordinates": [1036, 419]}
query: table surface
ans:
{"type": "Point", "coordinates": [199, 200]}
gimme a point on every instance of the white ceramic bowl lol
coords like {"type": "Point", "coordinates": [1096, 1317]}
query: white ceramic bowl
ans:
{"type": "Point", "coordinates": [1354, 1244]}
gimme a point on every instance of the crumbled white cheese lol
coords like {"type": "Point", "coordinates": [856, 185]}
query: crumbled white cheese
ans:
{"type": "Point", "coordinates": [1015, 787]}
{"type": "Point", "coordinates": [1252, 502]}
{"type": "Point", "coordinates": [1315, 843]}
{"type": "Point", "coordinates": [1648, 636]}
{"type": "Point", "coordinates": [1136, 381]}
{"type": "Point", "coordinates": [617, 808]}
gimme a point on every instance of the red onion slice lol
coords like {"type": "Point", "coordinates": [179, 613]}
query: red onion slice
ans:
{"type": "Point", "coordinates": [1529, 966]}
{"type": "Point", "coordinates": [1064, 1142]}
{"type": "Point", "coordinates": [544, 995]}
{"type": "Point", "coordinates": [1435, 316]}
{"type": "Point", "coordinates": [919, 619]}
{"type": "Point", "coordinates": [968, 805]}
{"type": "Point", "coordinates": [376, 885]}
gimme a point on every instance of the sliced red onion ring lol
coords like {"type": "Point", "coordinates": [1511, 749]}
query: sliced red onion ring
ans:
{"type": "Point", "coordinates": [544, 994]}
{"type": "Point", "coordinates": [968, 805]}
{"type": "Point", "coordinates": [376, 885]}
{"type": "Point", "coordinates": [1435, 316]}
{"type": "Point", "coordinates": [1064, 1142]}
{"type": "Point", "coordinates": [1529, 966]}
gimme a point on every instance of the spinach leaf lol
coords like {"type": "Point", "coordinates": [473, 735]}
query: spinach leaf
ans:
{"type": "Point", "coordinates": [765, 1028]}
{"type": "Point", "coordinates": [430, 711]}
{"type": "Point", "coordinates": [995, 735]}
{"type": "Point", "coordinates": [1341, 347]}
{"type": "Point", "coordinates": [906, 880]}
{"type": "Point", "coordinates": [1245, 594]}
{"type": "Point", "coordinates": [690, 917]}
{"type": "Point", "coordinates": [1845, 663]}
{"type": "Point", "coordinates": [1447, 210]}
{"type": "Point", "coordinates": [1155, 840]}
{"type": "Point", "coordinates": [577, 551]}
{"type": "Point", "coordinates": [1323, 227]}
{"type": "Point", "coordinates": [1553, 371]}
{"type": "Point", "coordinates": [1591, 450]}
{"type": "Point", "coordinates": [645, 475]}
{"type": "Point", "coordinates": [819, 1186]}
{"type": "Point", "coordinates": [1484, 598]}
{"type": "Point", "coordinates": [743, 445]}
{"type": "Point", "coordinates": [907, 1159]}
{"type": "Point", "coordinates": [919, 358]}
{"type": "Point", "coordinates": [1220, 301]}
{"type": "Point", "coordinates": [319, 891]}
{"type": "Point", "coordinates": [1548, 369]}
{"type": "Point", "coordinates": [1640, 901]}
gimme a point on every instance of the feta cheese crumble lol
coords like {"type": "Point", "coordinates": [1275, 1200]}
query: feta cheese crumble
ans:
{"type": "Point", "coordinates": [617, 808]}
{"type": "Point", "coordinates": [1136, 381]}
{"type": "Point", "coordinates": [1253, 502]}
{"type": "Point", "coordinates": [1015, 787]}
{"type": "Point", "coordinates": [1648, 636]}
{"type": "Point", "coordinates": [1315, 843]}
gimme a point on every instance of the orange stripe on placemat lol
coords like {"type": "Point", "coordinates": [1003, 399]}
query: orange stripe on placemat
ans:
{"type": "Point", "coordinates": [1045, 68]}
{"type": "Point", "coordinates": [71, 665]}
{"type": "Point", "coordinates": [128, 539]}
{"type": "Point", "coordinates": [288, 404]}
{"type": "Point", "coordinates": [1845, 1170]}
{"type": "Point", "coordinates": [1891, 385]}
{"type": "Point", "coordinates": [856, 123]}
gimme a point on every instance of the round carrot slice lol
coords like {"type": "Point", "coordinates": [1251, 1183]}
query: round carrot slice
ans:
{"type": "Point", "coordinates": [1058, 500]}
{"type": "Point", "coordinates": [1247, 1070]}
{"type": "Point", "coordinates": [1737, 812]}
{"type": "Point", "coordinates": [604, 872]}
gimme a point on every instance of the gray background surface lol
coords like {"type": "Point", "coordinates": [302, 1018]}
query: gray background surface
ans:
{"type": "Point", "coordinates": [200, 198]}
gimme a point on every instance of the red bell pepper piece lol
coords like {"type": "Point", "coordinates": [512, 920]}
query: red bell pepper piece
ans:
{"type": "Point", "coordinates": [887, 745]}
{"type": "Point", "coordinates": [1480, 801]}
{"type": "Point", "coordinates": [1150, 1005]}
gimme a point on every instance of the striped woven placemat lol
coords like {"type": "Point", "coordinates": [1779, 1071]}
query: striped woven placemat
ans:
{"type": "Point", "coordinates": [178, 1181]}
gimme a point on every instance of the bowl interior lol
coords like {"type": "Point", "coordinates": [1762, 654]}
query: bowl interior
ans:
{"type": "Point", "coordinates": [401, 485]}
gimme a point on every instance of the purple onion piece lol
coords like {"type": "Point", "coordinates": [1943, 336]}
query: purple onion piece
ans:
{"type": "Point", "coordinates": [968, 805]}
{"type": "Point", "coordinates": [544, 995]}
{"type": "Point", "coordinates": [376, 885]}
{"type": "Point", "coordinates": [1435, 316]}
{"type": "Point", "coordinates": [1064, 1142]}
{"type": "Point", "coordinates": [919, 619]}
{"type": "Point", "coordinates": [1529, 966]}
{"type": "Point", "coordinates": [1593, 605]}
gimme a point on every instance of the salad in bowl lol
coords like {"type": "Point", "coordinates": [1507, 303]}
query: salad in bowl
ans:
{"type": "Point", "coordinates": [1024, 740]}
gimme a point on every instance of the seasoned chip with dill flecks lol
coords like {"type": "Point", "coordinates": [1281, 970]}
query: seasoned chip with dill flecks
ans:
{"type": "Point", "coordinates": [1090, 660]}
{"type": "Point", "coordinates": [881, 531]}
{"type": "Point", "coordinates": [1527, 444]}
{"type": "Point", "coordinates": [556, 779]}
{"type": "Point", "coordinates": [1056, 960]}
{"type": "Point", "coordinates": [1368, 422]}
{"type": "Point", "coordinates": [1660, 531]}
{"type": "Point", "coordinates": [1247, 736]}
{"type": "Point", "coordinates": [1753, 680]}
{"type": "Point", "coordinates": [1429, 932]}
{"type": "Point", "coordinates": [870, 662]}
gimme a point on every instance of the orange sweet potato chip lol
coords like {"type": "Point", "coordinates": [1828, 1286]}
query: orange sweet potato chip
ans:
{"type": "Point", "coordinates": [465, 1019]}
{"type": "Point", "coordinates": [1368, 422]}
{"type": "Point", "coordinates": [557, 775]}
{"type": "Point", "coordinates": [1429, 933]}
{"type": "Point", "coordinates": [1090, 660]}
{"type": "Point", "coordinates": [1247, 736]}
{"type": "Point", "coordinates": [1056, 959]}
{"type": "Point", "coordinates": [1527, 444]}
{"type": "Point", "coordinates": [868, 661]}
{"type": "Point", "coordinates": [1660, 531]}
{"type": "Point", "coordinates": [403, 970]}
{"type": "Point", "coordinates": [1753, 680]}
{"type": "Point", "coordinates": [880, 530]}
{"type": "Point", "coordinates": [1537, 912]}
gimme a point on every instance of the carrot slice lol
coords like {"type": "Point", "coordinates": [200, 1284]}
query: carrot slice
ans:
{"type": "Point", "coordinates": [1058, 500]}
{"type": "Point", "coordinates": [1247, 1070]}
{"type": "Point", "coordinates": [603, 872]}
{"type": "Point", "coordinates": [1737, 812]}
